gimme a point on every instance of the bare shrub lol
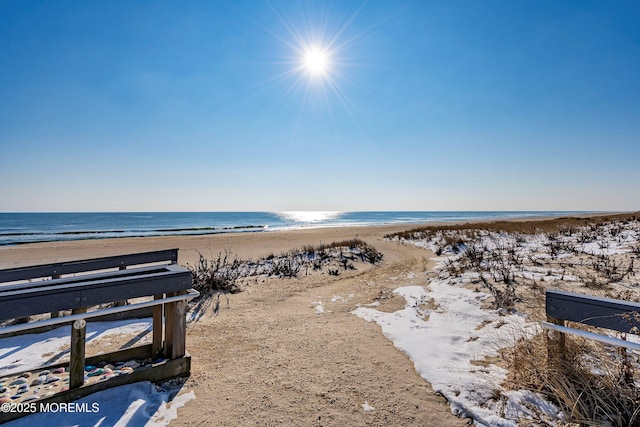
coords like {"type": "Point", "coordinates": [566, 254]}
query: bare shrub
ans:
{"type": "Point", "coordinates": [504, 298]}
{"type": "Point", "coordinates": [219, 274]}
{"type": "Point", "coordinates": [225, 272]}
{"type": "Point", "coordinates": [473, 256]}
{"type": "Point", "coordinates": [288, 266]}
{"type": "Point", "coordinates": [355, 247]}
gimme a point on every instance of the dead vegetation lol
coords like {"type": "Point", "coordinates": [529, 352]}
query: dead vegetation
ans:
{"type": "Point", "coordinates": [595, 385]}
{"type": "Point", "coordinates": [227, 273]}
{"type": "Point", "coordinates": [509, 265]}
{"type": "Point", "coordinates": [563, 224]}
{"type": "Point", "coordinates": [515, 262]}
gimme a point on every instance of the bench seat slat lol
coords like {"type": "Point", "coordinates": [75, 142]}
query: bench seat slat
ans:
{"type": "Point", "coordinates": [58, 269]}
{"type": "Point", "coordinates": [88, 281]}
{"type": "Point", "coordinates": [83, 278]}
{"type": "Point", "coordinates": [63, 295]}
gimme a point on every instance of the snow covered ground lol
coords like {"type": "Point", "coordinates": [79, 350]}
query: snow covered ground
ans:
{"type": "Point", "coordinates": [445, 341]}
{"type": "Point", "coordinates": [139, 404]}
{"type": "Point", "coordinates": [450, 332]}
{"type": "Point", "coordinates": [26, 352]}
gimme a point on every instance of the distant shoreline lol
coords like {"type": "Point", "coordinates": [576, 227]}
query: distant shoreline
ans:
{"type": "Point", "coordinates": [243, 244]}
{"type": "Point", "coordinates": [113, 234]}
{"type": "Point", "coordinates": [25, 228]}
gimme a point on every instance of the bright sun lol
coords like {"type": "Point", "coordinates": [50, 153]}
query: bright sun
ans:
{"type": "Point", "coordinates": [316, 62]}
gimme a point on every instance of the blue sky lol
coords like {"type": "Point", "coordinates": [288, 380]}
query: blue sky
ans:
{"type": "Point", "coordinates": [425, 105]}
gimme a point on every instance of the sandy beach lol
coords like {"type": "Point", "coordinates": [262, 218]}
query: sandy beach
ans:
{"type": "Point", "coordinates": [327, 213]}
{"type": "Point", "coordinates": [267, 357]}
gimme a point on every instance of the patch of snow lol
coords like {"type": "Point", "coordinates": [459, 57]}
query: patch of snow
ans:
{"type": "Point", "coordinates": [519, 404]}
{"type": "Point", "coordinates": [30, 351]}
{"type": "Point", "coordinates": [366, 407]}
{"type": "Point", "coordinates": [447, 344]}
{"type": "Point", "coordinates": [443, 347]}
{"type": "Point", "coordinates": [611, 248]}
{"type": "Point", "coordinates": [139, 404]}
{"type": "Point", "coordinates": [319, 307]}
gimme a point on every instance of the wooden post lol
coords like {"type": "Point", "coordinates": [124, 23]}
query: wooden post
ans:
{"type": "Point", "coordinates": [169, 310]}
{"type": "Point", "coordinates": [556, 346]}
{"type": "Point", "coordinates": [175, 317]}
{"type": "Point", "coordinates": [179, 328]}
{"type": "Point", "coordinates": [78, 337]}
{"type": "Point", "coordinates": [156, 346]}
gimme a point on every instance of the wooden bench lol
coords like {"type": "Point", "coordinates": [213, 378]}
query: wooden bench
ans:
{"type": "Point", "coordinates": [612, 314]}
{"type": "Point", "coordinates": [80, 285]}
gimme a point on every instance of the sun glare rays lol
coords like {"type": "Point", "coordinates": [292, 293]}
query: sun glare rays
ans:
{"type": "Point", "coordinates": [317, 53]}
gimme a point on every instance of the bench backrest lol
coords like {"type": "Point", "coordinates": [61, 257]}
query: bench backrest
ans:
{"type": "Point", "coordinates": [617, 315]}
{"type": "Point", "coordinates": [82, 266]}
{"type": "Point", "coordinates": [95, 287]}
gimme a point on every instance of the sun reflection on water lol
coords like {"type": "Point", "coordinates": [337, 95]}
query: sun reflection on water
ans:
{"type": "Point", "coordinates": [309, 216]}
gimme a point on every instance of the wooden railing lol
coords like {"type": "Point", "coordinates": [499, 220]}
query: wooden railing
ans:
{"type": "Point", "coordinates": [606, 313]}
{"type": "Point", "coordinates": [82, 285]}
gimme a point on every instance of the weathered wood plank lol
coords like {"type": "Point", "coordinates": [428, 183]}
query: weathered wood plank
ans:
{"type": "Point", "coordinates": [133, 353]}
{"type": "Point", "coordinates": [95, 276]}
{"type": "Point", "coordinates": [156, 349]}
{"type": "Point", "coordinates": [122, 302]}
{"type": "Point", "coordinates": [48, 270]}
{"type": "Point", "coordinates": [179, 329]}
{"type": "Point", "coordinates": [621, 316]}
{"type": "Point", "coordinates": [140, 352]}
{"type": "Point", "coordinates": [62, 295]}
{"type": "Point", "coordinates": [169, 325]}
{"type": "Point", "coordinates": [136, 313]}
{"type": "Point", "coordinates": [55, 313]}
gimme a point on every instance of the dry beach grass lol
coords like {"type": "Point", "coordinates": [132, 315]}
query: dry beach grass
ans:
{"type": "Point", "coordinates": [515, 262]}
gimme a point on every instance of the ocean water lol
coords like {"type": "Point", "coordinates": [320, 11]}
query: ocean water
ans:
{"type": "Point", "coordinates": [18, 228]}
